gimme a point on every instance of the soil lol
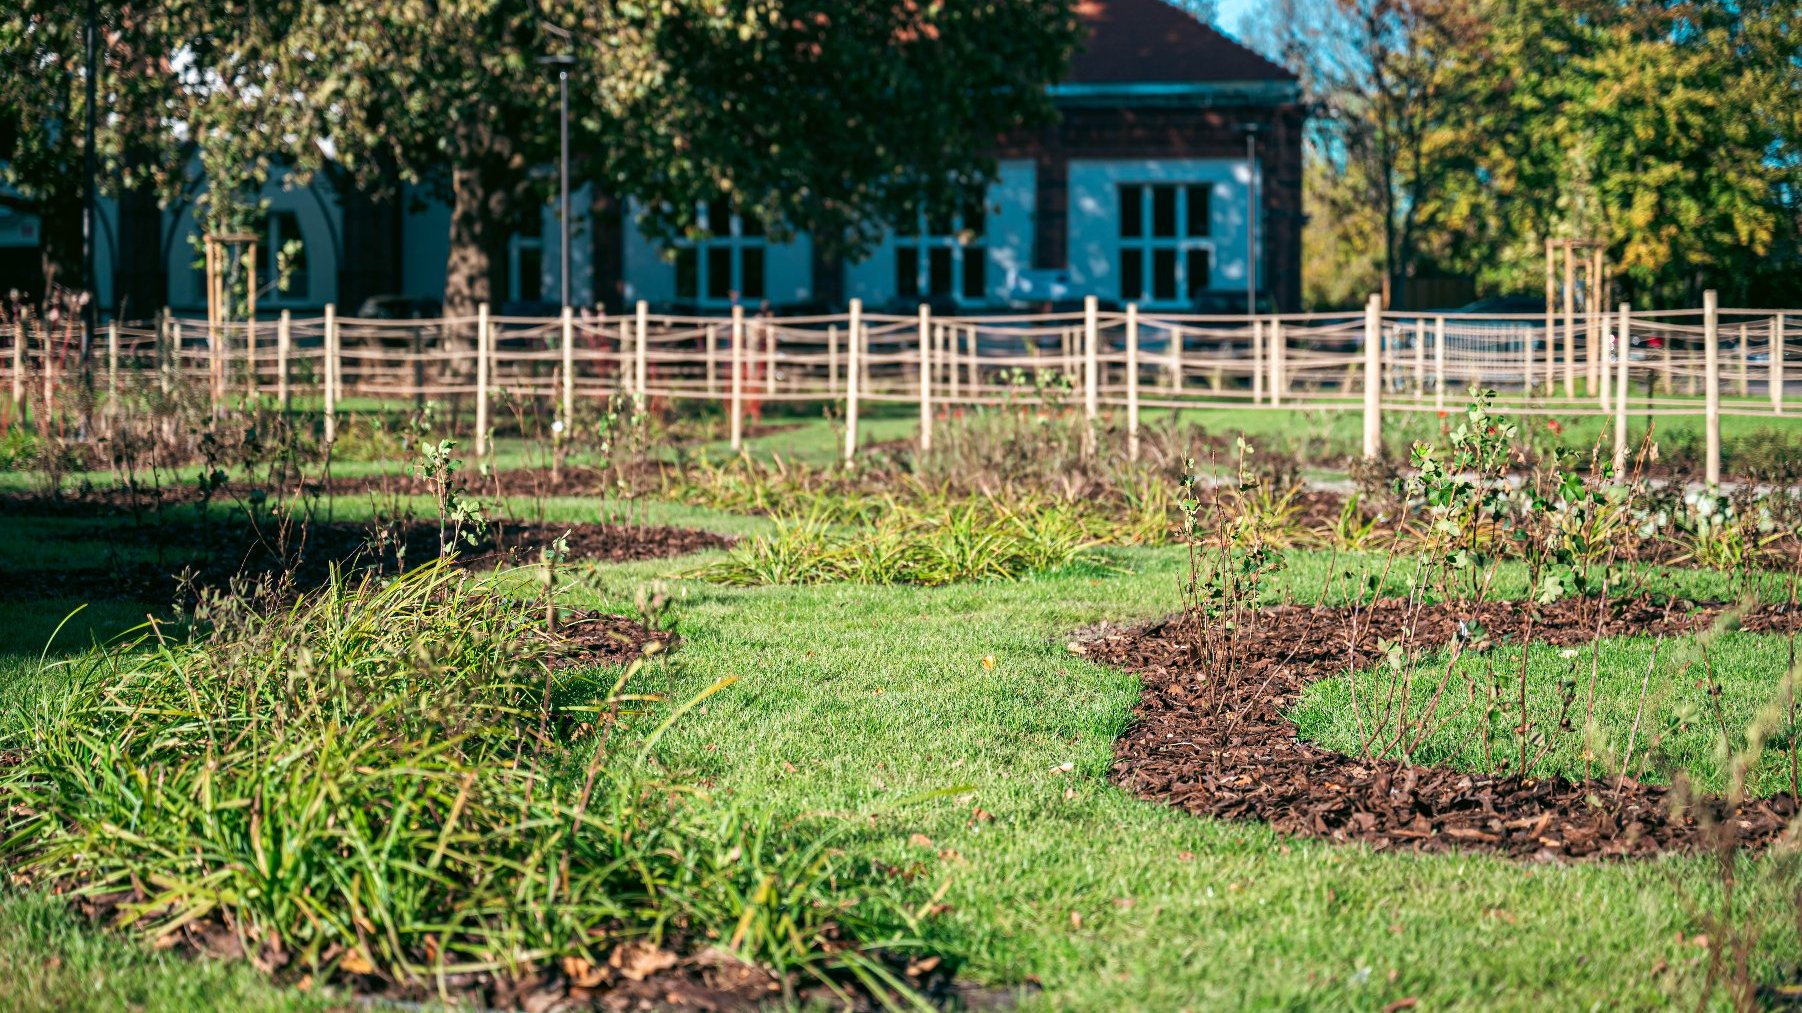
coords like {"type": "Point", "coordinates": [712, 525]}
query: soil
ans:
{"type": "Point", "coordinates": [1220, 744]}
{"type": "Point", "coordinates": [586, 638]}
{"type": "Point", "coordinates": [684, 976]}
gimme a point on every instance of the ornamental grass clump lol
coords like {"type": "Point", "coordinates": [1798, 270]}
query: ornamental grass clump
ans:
{"type": "Point", "coordinates": [391, 783]}
{"type": "Point", "coordinates": [974, 540]}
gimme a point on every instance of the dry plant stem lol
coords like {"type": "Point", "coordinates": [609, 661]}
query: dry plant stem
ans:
{"type": "Point", "coordinates": [1352, 636]}
{"type": "Point", "coordinates": [1638, 712]}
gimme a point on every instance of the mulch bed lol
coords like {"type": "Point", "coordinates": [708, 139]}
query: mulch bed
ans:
{"type": "Point", "coordinates": [1225, 748]}
{"type": "Point", "coordinates": [598, 638]}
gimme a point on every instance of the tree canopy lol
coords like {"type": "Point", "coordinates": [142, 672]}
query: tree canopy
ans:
{"type": "Point", "coordinates": [830, 117]}
{"type": "Point", "coordinates": [1465, 133]}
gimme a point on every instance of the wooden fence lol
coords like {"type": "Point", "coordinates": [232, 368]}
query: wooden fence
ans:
{"type": "Point", "coordinates": [1664, 362]}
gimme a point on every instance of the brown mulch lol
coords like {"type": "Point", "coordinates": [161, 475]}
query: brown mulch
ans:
{"type": "Point", "coordinates": [683, 976]}
{"type": "Point", "coordinates": [599, 638]}
{"type": "Point", "coordinates": [1225, 748]}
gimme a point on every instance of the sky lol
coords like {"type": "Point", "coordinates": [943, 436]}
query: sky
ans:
{"type": "Point", "coordinates": [1231, 11]}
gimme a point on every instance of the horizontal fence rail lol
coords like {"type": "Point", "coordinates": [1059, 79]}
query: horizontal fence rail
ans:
{"type": "Point", "coordinates": [1581, 363]}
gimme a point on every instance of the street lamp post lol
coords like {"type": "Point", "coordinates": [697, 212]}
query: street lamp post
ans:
{"type": "Point", "coordinates": [562, 62]}
{"type": "Point", "coordinates": [90, 309]}
{"type": "Point", "coordinates": [1251, 217]}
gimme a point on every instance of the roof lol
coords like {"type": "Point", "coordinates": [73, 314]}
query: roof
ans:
{"type": "Point", "coordinates": [1151, 41]}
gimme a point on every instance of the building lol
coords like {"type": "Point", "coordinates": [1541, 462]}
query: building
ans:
{"type": "Point", "coordinates": [1141, 192]}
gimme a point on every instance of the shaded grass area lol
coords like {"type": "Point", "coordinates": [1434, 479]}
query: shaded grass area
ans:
{"type": "Point", "coordinates": [51, 963]}
{"type": "Point", "coordinates": [857, 697]}
{"type": "Point", "coordinates": [1678, 724]}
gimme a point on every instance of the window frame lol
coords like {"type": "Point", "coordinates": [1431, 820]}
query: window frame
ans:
{"type": "Point", "coordinates": [921, 244]}
{"type": "Point", "coordinates": [1149, 248]}
{"type": "Point", "coordinates": [733, 243]}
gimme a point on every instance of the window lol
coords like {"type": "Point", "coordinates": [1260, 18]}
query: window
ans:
{"type": "Point", "coordinates": [286, 248]}
{"type": "Point", "coordinates": [525, 261]}
{"type": "Point", "coordinates": [946, 257]}
{"type": "Point", "coordinates": [1165, 254]}
{"type": "Point", "coordinates": [728, 262]}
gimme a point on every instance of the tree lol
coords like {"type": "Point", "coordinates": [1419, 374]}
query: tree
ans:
{"type": "Point", "coordinates": [827, 117]}
{"type": "Point", "coordinates": [43, 85]}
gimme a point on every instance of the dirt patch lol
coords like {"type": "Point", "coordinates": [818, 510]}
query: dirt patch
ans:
{"type": "Point", "coordinates": [682, 976]}
{"type": "Point", "coordinates": [1226, 749]}
{"type": "Point", "coordinates": [599, 638]}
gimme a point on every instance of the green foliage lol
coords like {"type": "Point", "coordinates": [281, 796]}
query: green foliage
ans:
{"type": "Point", "coordinates": [365, 783]}
{"type": "Point", "coordinates": [975, 540]}
{"type": "Point", "coordinates": [1456, 137]}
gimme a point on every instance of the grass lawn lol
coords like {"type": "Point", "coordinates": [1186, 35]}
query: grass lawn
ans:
{"type": "Point", "coordinates": [854, 700]}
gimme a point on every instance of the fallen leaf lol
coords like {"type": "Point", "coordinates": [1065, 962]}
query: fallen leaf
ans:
{"type": "Point", "coordinates": [920, 841]}
{"type": "Point", "coordinates": [1185, 856]}
{"type": "Point", "coordinates": [355, 962]}
{"type": "Point", "coordinates": [638, 960]}
{"type": "Point", "coordinates": [1076, 919]}
{"type": "Point", "coordinates": [1401, 1004]}
{"type": "Point", "coordinates": [988, 662]}
{"type": "Point", "coordinates": [583, 974]}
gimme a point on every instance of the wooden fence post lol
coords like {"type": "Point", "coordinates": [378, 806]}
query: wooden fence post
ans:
{"type": "Point", "coordinates": [1373, 377]}
{"type": "Point", "coordinates": [1176, 359]}
{"type": "Point", "coordinates": [1526, 359]}
{"type": "Point", "coordinates": [1551, 319]}
{"type": "Point", "coordinates": [832, 360]}
{"type": "Point", "coordinates": [1132, 381]}
{"type": "Point", "coordinates": [250, 328]}
{"type": "Point", "coordinates": [1711, 382]}
{"type": "Point", "coordinates": [766, 338]}
{"type": "Point", "coordinates": [1776, 378]}
{"type": "Point", "coordinates": [713, 353]}
{"type": "Point", "coordinates": [737, 413]}
{"type": "Point", "coordinates": [926, 366]}
{"type": "Point", "coordinates": [1257, 361]}
{"type": "Point", "coordinates": [49, 371]}
{"type": "Point", "coordinates": [853, 376]}
{"type": "Point", "coordinates": [569, 369]}
{"type": "Point", "coordinates": [642, 326]}
{"type": "Point", "coordinates": [172, 362]}
{"type": "Point", "coordinates": [1570, 323]}
{"type": "Point", "coordinates": [1091, 364]}
{"type": "Point", "coordinates": [215, 369]}
{"type": "Point", "coordinates": [331, 369]}
{"type": "Point", "coordinates": [1745, 361]}
{"type": "Point", "coordinates": [483, 349]}
{"type": "Point", "coordinates": [1420, 359]}
{"type": "Point", "coordinates": [1620, 391]}
{"type": "Point", "coordinates": [283, 343]}
{"type": "Point", "coordinates": [1439, 364]}
{"type": "Point", "coordinates": [112, 368]}
{"type": "Point", "coordinates": [18, 391]}
{"type": "Point", "coordinates": [1279, 362]}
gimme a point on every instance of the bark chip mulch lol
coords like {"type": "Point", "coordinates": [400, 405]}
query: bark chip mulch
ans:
{"type": "Point", "coordinates": [599, 638]}
{"type": "Point", "coordinates": [1227, 749]}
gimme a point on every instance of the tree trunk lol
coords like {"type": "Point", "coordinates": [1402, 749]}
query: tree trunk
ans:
{"type": "Point", "coordinates": [476, 269]}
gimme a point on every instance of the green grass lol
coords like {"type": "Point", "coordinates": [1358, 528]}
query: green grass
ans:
{"type": "Point", "coordinates": [854, 698]}
{"type": "Point", "coordinates": [1678, 717]}
{"type": "Point", "coordinates": [851, 695]}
